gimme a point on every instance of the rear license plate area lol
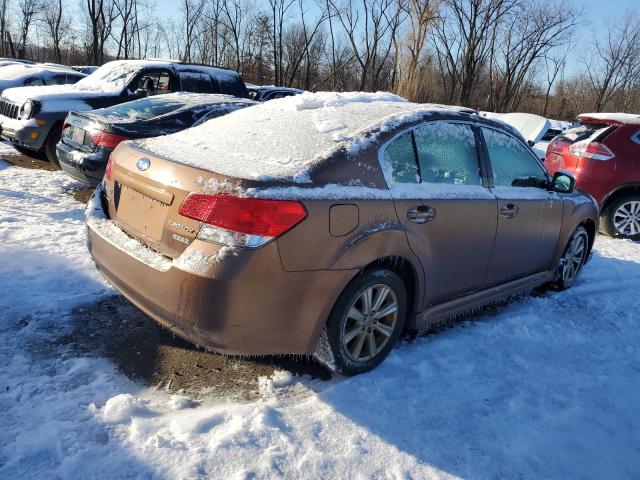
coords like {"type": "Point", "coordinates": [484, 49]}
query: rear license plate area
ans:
{"type": "Point", "coordinates": [143, 213]}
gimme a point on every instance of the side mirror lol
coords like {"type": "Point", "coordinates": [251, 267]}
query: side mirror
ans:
{"type": "Point", "coordinates": [563, 182]}
{"type": "Point", "coordinates": [140, 93]}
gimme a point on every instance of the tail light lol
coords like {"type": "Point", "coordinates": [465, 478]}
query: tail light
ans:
{"type": "Point", "coordinates": [591, 150]}
{"type": "Point", "coordinates": [107, 140]}
{"type": "Point", "coordinates": [248, 222]}
{"type": "Point", "coordinates": [107, 170]}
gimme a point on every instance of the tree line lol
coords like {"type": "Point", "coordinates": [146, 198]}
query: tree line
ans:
{"type": "Point", "coordinates": [496, 55]}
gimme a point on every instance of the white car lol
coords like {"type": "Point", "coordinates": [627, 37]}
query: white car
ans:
{"type": "Point", "coordinates": [536, 130]}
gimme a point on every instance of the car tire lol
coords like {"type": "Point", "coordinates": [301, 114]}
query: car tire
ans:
{"type": "Point", "coordinates": [572, 260]}
{"type": "Point", "coordinates": [626, 207]}
{"type": "Point", "coordinates": [371, 333]}
{"type": "Point", "coordinates": [50, 145]}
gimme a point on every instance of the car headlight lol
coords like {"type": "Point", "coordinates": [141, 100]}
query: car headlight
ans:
{"type": "Point", "coordinates": [26, 110]}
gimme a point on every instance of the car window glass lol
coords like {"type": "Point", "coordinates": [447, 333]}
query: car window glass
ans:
{"type": "Point", "coordinates": [197, 83]}
{"type": "Point", "coordinates": [447, 153]}
{"type": "Point", "coordinates": [513, 165]}
{"type": "Point", "coordinates": [61, 80]}
{"type": "Point", "coordinates": [145, 108]}
{"type": "Point", "coordinates": [33, 81]}
{"type": "Point", "coordinates": [399, 156]}
{"type": "Point", "coordinates": [636, 137]}
{"type": "Point", "coordinates": [231, 86]}
{"type": "Point", "coordinates": [155, 83]}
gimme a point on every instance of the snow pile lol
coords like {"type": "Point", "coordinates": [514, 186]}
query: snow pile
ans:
{"type": "Point", "coordinates": [282, 138]}
{"type": "Point", "coordinates": [631, 118]}
{"type": "Point", "coordinates": [545, 387]}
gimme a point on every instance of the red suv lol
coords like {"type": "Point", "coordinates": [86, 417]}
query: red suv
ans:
{"type": "Point", "coordinates": [603, 153]}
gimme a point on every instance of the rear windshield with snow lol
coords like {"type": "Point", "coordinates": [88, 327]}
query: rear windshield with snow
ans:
{"type": "Point", "coordinates": [582, 132]}
{"type": "Point", "coordinates": [145, 108]}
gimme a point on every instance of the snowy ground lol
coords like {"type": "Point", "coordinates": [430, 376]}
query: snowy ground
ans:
{"type": "Point", "coordinates": [547, 387]}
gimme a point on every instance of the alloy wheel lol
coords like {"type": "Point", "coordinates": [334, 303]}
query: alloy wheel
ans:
{"type": "Point", "coordinates": [573, 258]}
{"type": "Point", "coordinates": [370, 322]}
{"type": "Point", "coordinates": [626, 218]}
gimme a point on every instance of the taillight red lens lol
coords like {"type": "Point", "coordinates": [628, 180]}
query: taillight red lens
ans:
{"type": "Point", "coordinates": [251, 216]}
{"type": "Point", "coordinates": [592, 150]}
{"type": "Point", "coordinates": [108, 140]}
{"type": "Point", "coordinates": [107, 170]}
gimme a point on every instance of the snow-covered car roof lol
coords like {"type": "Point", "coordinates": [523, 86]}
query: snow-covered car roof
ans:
{"type": "Point", "coordinates": [610, 118]}
{"type": "Point", "coordinates": [21, 70]}
{"type": "Point", "coordinates": [283, 137]}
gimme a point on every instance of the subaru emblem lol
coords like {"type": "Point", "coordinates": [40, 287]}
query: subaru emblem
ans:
{"type": "Point", "coordinates": [143, 163]}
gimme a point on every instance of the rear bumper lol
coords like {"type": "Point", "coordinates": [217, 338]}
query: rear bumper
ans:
{"type": "Point", "coordinates": [86, 167]}
{"type": "Point", "coordinates": [243, 303]}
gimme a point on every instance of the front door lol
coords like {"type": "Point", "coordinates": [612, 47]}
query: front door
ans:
{"type": "Point", "coordinates": [449, 217]}
{"type": "Point", "coordinates": [529, 215]}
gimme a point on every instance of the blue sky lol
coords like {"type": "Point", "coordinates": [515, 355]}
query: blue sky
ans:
{"type": "Point", "coordinates": [596, 15]}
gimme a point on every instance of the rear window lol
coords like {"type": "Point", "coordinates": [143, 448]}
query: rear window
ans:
{"type": "Point", "coordinates": [582, 132]}
{"type": "Point", "coordinates": [145, 108]}
{"type": "Point", "coordinates": [550, 134]}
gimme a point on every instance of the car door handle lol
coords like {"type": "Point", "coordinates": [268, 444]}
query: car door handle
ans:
{"type": "Point", "coordinates": [421, 214]}
{"type": "Point", "coordinates": [509, 211]}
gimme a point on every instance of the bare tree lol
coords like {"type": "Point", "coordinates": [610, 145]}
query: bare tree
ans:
{"type": "Point", "coordinates": [28, 10]}
{"type": "Point", "coordinates": [421, 16]}
{"type": "Point", "coordinates": [192, 16]}
{"type": "Point", "coordinates": [614, 65]}
{"type": "Point", "coordinates": [57, 24]}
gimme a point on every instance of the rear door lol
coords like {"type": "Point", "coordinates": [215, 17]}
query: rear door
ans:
{"type": "Point", "coordinates": [449, 216]}
{"type": "Point", "coordinates": [529, 215]}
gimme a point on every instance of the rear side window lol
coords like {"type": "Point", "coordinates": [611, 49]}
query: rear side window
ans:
{"type": "Point", "coordinates": [636, 137]}
{"type": "Point", "coordinates": [401, 159]}
{"type": "Point", "coordinates": [33, 81]}
{"type": "Point", "coordinates": [198, 83]}
{"type": "Point", "coordinates": [513, 165]}
{"type": "Point", "coordinates": [232, 86]}
{"type": "Point", "coordinates": [447, 153]}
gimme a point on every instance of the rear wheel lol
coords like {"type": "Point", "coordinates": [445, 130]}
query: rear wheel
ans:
{"type": "Point", "coordinates": [622, 218]}
{"type": "Point", "coordinates": [50, 146]}
{"type": "Point", "coordinates": [572, 260]}
{"type": "Point", "coordinates": [366, 321]}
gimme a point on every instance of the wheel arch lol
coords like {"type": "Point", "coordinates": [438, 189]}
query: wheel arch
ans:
{"type": "Point", "coordinates": [618, 192]}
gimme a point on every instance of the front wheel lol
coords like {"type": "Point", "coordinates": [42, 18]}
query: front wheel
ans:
{"type": "Point", "coordinates": [622, 218]}
{"type": "Point", "coordinates": [366, 321]}
{"type": "Point", "coordinates": [572, 259]}
{"type": "Point", "coordinates": [50, 146]}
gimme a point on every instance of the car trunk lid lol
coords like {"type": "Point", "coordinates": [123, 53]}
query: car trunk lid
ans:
{"type": "Point", "coordinates": [145, 194]}
{"type": "Point", "coordinates": [80, 131]}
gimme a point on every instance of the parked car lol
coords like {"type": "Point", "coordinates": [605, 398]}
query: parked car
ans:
{"type": "Point", "coordinates": [88, 138]}
{"type": "Point", "coordinates": [32, 117]}
{"type": "Point", "coordinates": [266, 93]}
{"type": "Point", "coordinates": [604, 155]}
{"type": "Point", "coordinates": [327, 223]}
{"type": "Point", "coordinates": [536, 130]}
{"type": "Point", "coordinates": [20, 75]}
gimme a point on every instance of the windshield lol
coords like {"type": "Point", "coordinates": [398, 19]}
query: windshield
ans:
{"type": "Point", "coordinates": [109, 76]}
{"type": "Point", "coordinates": [145, 108]}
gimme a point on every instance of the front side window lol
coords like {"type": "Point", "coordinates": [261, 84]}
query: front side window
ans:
{"type": "Point", "coordinates": [155, 83]}
{"type": "Point", "coordinates": [33, 81]}
{"type": "Point", "coordinates": [447, 153]}
{"type": "Point", "coordinates": [513, 165]}
{"type": "Point", "coordinates": [400, 157]}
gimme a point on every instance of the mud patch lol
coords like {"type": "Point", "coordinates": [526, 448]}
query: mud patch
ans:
{"type": "Point", "coordinates": [34, 161]}
{"type": "Point", "coordinates": [146, 352]}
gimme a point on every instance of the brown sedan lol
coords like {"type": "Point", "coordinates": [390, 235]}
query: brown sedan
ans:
{"type": "Point", "coordinates": [328, 224]}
